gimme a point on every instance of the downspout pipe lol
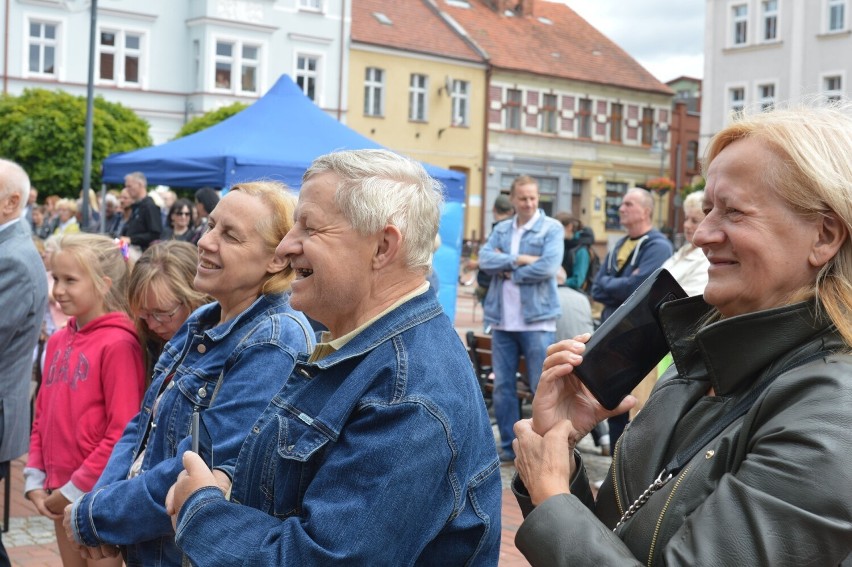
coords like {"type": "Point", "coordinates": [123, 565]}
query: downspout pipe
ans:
{"type": "Point", "coordinates": [6, 50]}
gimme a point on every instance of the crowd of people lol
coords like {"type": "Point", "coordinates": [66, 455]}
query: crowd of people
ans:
{"type": "Point", "coordinates": [265, 390]}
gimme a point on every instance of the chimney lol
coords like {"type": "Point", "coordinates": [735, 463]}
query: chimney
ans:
{"type": "Point", "coordinates": [525, 7]}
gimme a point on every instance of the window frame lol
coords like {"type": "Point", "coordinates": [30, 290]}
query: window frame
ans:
{"type": "Point", "coordinates": [238, 64]}
{"type": "Point", "coordinates": [312, 5]}
{"type": "Point", "coordinates": [43, 43]}
{"type": "Point", "coordinates": [646, 126]}
{"type": "Point", "coordinates": [616, 122]}
{"type": "Point", "coordinates": [832, 94]}
{"type": "Point", "coordinates": [418, 97]}
{"type": "Point", "coordinates": [309, 75]}
{"type": "Point", "coordinates": [736, 106]}
{"type": "Point", "coordinates": [374, 90]}
{"type": "Point", "coordinates": [460, 99]}
{"type": "Point", "coordinates": [513, 109]}
{"type": "Point", "coordinates": [584, 118]}
{"type": "Point", "coordinates": [831, 5]}
{"type": "Point", "coordinates": [767, 95]}
{"type": "Point", "coordinates": [121, 53]}
{"type": "Point", "coordinates": [550, 113]}
{"type": "Point", "coordinates": [739, 25]}
{"type": "Point", "coordinates": [769, 19]}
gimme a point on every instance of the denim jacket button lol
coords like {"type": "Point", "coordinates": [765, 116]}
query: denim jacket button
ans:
{"type": "Point", "coordinates": [202, 392]}
{"type": "Point", "coordinates": [202, 349]}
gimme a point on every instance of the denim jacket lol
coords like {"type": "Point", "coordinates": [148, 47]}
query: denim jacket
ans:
{"type": "Point", "coordinates": [254, 352]}
{"type": "Point", "coordinates": [539, 299]}
{"type": "Point", "coordinates": [379, 454]}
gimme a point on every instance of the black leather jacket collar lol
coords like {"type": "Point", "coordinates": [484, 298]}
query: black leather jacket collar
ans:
{"type": "Point", "coordinates": [704, 353]}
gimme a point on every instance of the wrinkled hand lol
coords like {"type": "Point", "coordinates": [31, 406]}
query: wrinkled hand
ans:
{"type": "Point", "coordinates": [195, 475]}
{"type": "Point", "coordinates": [545, 463]}
{"type": "Point", "coordinates": [562, 396]}
{"type": "Point", "coordinates": [38, 498]}
{"type": "Point", "coordinates": [100, 552]}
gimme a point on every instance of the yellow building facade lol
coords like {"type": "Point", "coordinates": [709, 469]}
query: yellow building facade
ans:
{"type": "Point", "coordinates": [427, 107]}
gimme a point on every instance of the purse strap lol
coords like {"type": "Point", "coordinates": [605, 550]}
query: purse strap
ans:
{"type": "Point", "coordinates": [684, 456]}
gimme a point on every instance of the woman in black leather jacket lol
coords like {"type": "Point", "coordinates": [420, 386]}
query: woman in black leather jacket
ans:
{"type": "Point", "coordinates": [768, 345]}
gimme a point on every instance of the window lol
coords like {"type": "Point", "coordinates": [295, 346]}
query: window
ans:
{"type": "Point", "coordinates": [119, 54]}
{"type": "Point", "coordinates": [374, 85]}
{"type": "Point", "coordinates": [616, 113]}
{"type": "Point", "coordinates": [42, 48]}
{"type": "Point", "coordinates": [832, 86]}
{"type": "Point", "coordinates": [770, 20]}
{"type": "Point", "coordinates": [691, 156]}
{"type": "Point", "coordinates": [461, 103]}
{"type": "Point", "coordinates": [417, 91]}
{"type": "Point", "coordinates": [767, 96]}
{"type": "Point", "coordinates": [315, 5]}
{"type": "Point", "coordinates": [548, 114]}
{"type": "Point", "coordinates": [584, 115]}
{"type": "Point", "coordinates": [836, 15]}
{"type": "Point", "coordinates": [513, 109]}
{"type": "Point", "coordinates": [647, 126]}
{"type": "Point", "coordinates": [307, 73]}
{"type": "Point", "coordinates": [736, 98]}
{"type": "Point", "coordinates": [740, 20]}
{"type": "Point", "coordinates": [615, 191]}
{"type": "Point", "coordinates": [236, 64]}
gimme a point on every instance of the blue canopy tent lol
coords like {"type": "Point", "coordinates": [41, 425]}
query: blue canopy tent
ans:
{"type": "Point", "coordinates": [277, 138]}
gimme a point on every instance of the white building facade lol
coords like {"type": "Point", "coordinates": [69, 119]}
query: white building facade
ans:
{"type": "Point", "coordinates": [173, 60]}
{"type": "Point", "coordinates": [758, 52]}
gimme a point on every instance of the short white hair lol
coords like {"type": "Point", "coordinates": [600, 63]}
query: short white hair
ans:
{"type": "Point", "coordinates": [378, 187]}
{"type": "Point", "coordinates": [13, 179]}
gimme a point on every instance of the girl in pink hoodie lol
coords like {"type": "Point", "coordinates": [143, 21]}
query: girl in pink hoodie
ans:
{"type": "Point", "coordinates": [93, 380]}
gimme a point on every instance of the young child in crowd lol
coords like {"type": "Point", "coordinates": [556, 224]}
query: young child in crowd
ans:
{"type": "Point", "coordinates": [93, 380]}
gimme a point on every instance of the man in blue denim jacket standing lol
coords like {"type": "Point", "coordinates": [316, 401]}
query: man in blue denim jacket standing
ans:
{"type": "Point", "coordinates": [523, 255]}
{"type": "Point", "coordinates": [378, 449]}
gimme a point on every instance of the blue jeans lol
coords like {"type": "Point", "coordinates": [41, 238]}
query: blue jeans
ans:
{"type": "Point", "coordinates": [506, 349]}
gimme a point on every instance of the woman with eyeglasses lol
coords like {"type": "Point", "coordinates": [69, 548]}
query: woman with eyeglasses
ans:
{"type": "Point", "coordinates": [179, 224]}
{"type": "Point", "coordinates": [215, 365]}
{"type": "Point", "coordinates": [162, 294]}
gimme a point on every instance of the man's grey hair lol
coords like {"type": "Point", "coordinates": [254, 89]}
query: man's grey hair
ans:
{"type": "Point", "coordinates": [138, 175]}
{"type": "Point", "coordinates": [376, 188]}
{"type": "Point", "coordinates": [13, 179]}
{"type": "Point", "coordinates": [647, 199]}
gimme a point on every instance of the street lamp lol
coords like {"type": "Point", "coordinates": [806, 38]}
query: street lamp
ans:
{"type": "Point", "coordinates": [90, 111]}
{"type": "Point", "coordinates": [659, 146]}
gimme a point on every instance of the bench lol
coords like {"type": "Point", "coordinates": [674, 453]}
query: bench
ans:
{"type": "Point", "coordinates": [479, 349]}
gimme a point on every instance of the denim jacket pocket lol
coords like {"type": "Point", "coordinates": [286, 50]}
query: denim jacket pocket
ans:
{"type": "Point", "coordinates": [298, 454]}
{"type": "Point", "coordinates": [533, 245]}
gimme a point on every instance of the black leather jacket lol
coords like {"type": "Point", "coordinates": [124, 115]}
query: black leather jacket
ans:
{"type": "Point", "coordinates": [772, 489]}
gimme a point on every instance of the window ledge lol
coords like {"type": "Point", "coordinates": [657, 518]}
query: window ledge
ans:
{"type": "Point", "coordinates": [833, 34]}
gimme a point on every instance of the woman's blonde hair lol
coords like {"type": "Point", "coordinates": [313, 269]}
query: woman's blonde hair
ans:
{"type": "Point", "coordinates": [272, 228]}
{"type": "Point", "coordinates": [814, 143]}
{"type": "Point", "coordinates": [101, 258]}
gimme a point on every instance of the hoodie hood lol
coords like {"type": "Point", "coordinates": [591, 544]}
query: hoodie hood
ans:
{"type": "Point", "coordinates": [114, 320]}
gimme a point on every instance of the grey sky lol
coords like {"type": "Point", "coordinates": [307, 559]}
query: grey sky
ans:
{"type": "Point", "coordinates": [665, 36]}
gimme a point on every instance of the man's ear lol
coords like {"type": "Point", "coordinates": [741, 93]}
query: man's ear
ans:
{"type": "Point", "coordinates": [832, 233]}
{"type": "Point", "coordinates": [389, 246]}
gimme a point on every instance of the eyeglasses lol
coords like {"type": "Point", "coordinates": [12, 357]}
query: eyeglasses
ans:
{"type": "Point", "coordinates": [182, 214]}
{"type": "Point", "coordinates": [159, 316]}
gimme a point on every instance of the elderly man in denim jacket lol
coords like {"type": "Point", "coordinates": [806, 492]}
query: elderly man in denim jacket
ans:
{"type": "Point", "coordinates": [378, 449]}
{"type": "Point", "coordinates": [523, 255]}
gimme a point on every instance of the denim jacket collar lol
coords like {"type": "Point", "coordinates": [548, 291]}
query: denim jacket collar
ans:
{"type": "Point", "coordinates": [207, 317]}
{"type": "Point", "coordinates": [410, 314]}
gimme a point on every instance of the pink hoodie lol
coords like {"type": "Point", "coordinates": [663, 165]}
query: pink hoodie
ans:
{"type": "Point", "coordinates": [92, 385]}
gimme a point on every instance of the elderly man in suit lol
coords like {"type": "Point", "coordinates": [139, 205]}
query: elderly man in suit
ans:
{"type": "Point", "coordinates": [23, 298]}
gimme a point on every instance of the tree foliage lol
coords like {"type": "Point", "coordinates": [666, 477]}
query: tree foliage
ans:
{"type": "Point", "coordinates": [211, 118]}
{"type": "Point", "coordinates": [44, 131]}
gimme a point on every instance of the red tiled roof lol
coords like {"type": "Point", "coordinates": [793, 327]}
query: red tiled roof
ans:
{"type": "Point", "coordinates": [415, 27]}
{"type": "Point", "coordinates": [568, 47]}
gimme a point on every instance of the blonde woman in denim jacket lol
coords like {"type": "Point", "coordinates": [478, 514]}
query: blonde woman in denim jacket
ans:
{"type": "Point", "coordinates": [227, 361]}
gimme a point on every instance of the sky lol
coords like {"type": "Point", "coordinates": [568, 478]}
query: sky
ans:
{"type": "Point", "coordinates": [665, 36]}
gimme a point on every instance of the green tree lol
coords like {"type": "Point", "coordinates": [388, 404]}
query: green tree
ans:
{"type": "Point", "coordinates": [211, 118]}
{"type": "Point", "coordinates": [44, 131]}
